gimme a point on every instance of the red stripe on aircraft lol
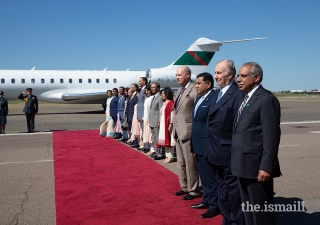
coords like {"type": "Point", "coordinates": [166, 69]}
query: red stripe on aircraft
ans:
{"type": "Point", "coordinates": [197, 58]}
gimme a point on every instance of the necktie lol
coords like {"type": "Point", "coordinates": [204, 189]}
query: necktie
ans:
{"type": "Point", "coordinates": [152, 100]}
{"type": "Point", "coordinates": [178, 100]}
{"type": "Point", "coordinates": [220, 95]}
{"type": "Point", "coordinates": [198, 104]}
{"type": "Point", "coordinates": [241, 108]}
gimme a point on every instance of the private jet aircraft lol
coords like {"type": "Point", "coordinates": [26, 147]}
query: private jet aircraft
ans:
{"type": "Point", "coordinates": [88, 87]}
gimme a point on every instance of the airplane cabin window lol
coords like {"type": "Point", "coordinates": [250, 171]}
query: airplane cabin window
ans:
{"type": "Point", "coordinates": [107, 80]}
{"type": "Point", "coordinates": [51, 81]}
{"type": "Point", "coordinates": [2, 81]}
{"type": "Point", "coordinates": [70, 81]}
{"type": "Point", "coordinates": [98, 81]}
{"type": "Point", "coordinates": [80, 81]}
{"type": "Point", "coordinates": [114, 80]}
{"type": "Point", "coordinates": [23, 81]}
{"type": "Point", "coordinates": [89, 81]}
{"type": "Point", "coordinates": [61, 81]}
{"type": "Point", "coordinates": [13, 81]}
{"type": "Point", "coordinates": [33, 81]}
{"type": "Point", "coordinates": [42, 81]}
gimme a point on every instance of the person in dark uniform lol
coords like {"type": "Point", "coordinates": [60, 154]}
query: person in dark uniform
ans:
{"type": "Point", "coordinates": [3, 113]}
{"type": "Point", "coordinates": [30, 107]}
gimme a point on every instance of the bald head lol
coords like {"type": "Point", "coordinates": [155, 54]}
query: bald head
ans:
{"type": "Point", "coordinates": [183, 75]}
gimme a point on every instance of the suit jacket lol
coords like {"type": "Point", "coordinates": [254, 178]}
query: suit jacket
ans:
{"type": "Point", "coordinates": [199, 123]}
{"type": "Point", "coordinates": [140, 106]}
{"type": "Point", "coordinates": [256, 137]}
{"type": "Point", "coordinates": [121, 103]}
{"type": "Point", "coordinates": [182, 119]}
{"type": "Point", "coordinates": [220, 125]}
{"type": "Point", "coordinates": [4, 106]}
{"type": "Point", "coordinates": [114, 106]}
{"type": "Point", "coordinates": [154, 114]}
{"type": "Point", "coordinates": [31, 103]}
{"type": "Point", "coordinates": [131, 103]}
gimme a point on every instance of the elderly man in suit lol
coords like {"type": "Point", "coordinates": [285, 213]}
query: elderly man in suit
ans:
{"type": "Point", "coordinates": [255, 144]}
{"type": "Point", "coordinates": [218, 146]}
{"type": "Point", "coordinates": [204, 84]}
{"type": "Point", "coordinates": [30, 107]}
{"type": "Point", "coordinates": [154, 119]}
{"type": "Point", "coordinates": [182, 123]}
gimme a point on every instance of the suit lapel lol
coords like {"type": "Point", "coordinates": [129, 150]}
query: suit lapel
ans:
{"type": "Point", "coordinates": [204, 102]}
{"type": "Point", "coordinates": [224, 98]}
{"type": "Point", "coordinates": [185, 94]}
{"type": "Point", "coordinates": [251, 101]}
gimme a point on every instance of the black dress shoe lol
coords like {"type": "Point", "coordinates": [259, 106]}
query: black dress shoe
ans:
{"type": "Point", "coordinates": [134, 146]}
{"type": "Point", "coordinates": [199, 206]}
{"type": "Point", "coordinates": [191, 197]}
{"type": "Point", "coordinates": [153, 155]}
{"type": "Point", "coordinates": [181, 192]}
{"type": "Point", "coordinates": [159, 157]}
{"type": "Point", "coordinates": [209, 214]}
{"type": "Point", "coordinates": [146, 150]}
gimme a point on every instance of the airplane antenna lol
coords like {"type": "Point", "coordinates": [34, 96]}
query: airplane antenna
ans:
{"type": "Point", "coordinates": [250, 39]}
{"type": "Point", "coordinates": [33, 68]}
{"type": "Point", "coordinates": [104, 69]}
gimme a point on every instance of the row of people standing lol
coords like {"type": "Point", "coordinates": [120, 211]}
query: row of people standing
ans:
{"type": "Point", "coordinates": [230, 138]}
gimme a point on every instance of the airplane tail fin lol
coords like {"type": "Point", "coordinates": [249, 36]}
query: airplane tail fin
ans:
{"type": "Point", "coordinates": [200, 53]}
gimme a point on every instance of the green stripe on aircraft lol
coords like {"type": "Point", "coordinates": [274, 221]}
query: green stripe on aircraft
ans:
{"type": "Point", "coordinates": [195, 58]}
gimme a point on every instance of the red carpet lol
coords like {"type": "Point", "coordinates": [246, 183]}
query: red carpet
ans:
{"type": "Point", "coordinates": [101, 181]}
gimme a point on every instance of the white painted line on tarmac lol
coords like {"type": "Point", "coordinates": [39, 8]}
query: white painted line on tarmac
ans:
{"type": "Point", "coordinates": [39, 161]}
{"type": "Point", "coordinates": [316, 121]}
{"type": "Point", "coordinates": [287, 145]}
{"type": "Point", "coordinates": [314, 132]}
{"type": "Point", "coordinates": [19, 134]}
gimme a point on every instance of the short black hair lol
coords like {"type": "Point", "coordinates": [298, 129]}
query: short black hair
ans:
{"type": "Point", "coordinates": [148, 87]}
{"type": "Point", "coordinates": [145, 80]}
{"type": "Point", "coordinates": [206, 77]}
{"type": "Point", "coordinates": [135, 85]}
{"type": "Point", "coordinates": [168, 93]}
{"type": "Point", "coordinates": [115, 89]}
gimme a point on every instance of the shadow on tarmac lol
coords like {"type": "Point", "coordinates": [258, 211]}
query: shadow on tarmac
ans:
{"type": "Point", "coordinates": [64, 113]}
{"type": "Point", "coordinates": [295, 218]}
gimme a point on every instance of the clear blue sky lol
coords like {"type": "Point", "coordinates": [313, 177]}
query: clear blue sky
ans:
{"type": "Point", "coordinates": [92, 35]}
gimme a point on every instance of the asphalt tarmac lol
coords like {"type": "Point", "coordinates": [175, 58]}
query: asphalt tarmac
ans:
{"type": "Point", "coordinates": [26, 163]}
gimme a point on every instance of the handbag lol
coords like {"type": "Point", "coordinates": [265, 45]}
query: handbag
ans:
{"type": "Point", "coordinates": [124, 124]}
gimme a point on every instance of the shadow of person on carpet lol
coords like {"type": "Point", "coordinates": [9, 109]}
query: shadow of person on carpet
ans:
{"type": "Point", "coordinates": [298, 217]}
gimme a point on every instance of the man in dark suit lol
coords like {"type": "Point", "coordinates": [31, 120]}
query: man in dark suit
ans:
{"type": "Point", "coordinates": [204, 84]}
{"type": "Point", "coordinates": [30, 107]}
{"type": "Point", "coordinates": [132, 102]}
{"type": "Point", "coordinates": [114, 105]}
{"type": "Point", "coordinates": [255, 143]}
{"type": "Point", "coordinates": [3, 113]}
{"type": "Point", "coordinates": [218, 145]}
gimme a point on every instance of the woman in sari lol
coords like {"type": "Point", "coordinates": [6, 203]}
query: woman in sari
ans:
{"type": "Point", "coordinates": [107, 128]}
{"type": "Point", "coordinates": [165, 126]}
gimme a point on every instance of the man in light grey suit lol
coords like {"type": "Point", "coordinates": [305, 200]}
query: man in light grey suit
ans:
{"type": "Point", "coordinates": [140, 105]}
{"type": "Point", "coordinates": [154, 119]}
{"type": "Point", "coordinates": [182, 124]}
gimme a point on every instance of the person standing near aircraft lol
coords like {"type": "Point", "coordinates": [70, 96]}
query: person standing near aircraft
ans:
{"type": "Point", "coordinates": [182, 122]}
{"type": "Point", "coordinates": [30, 107]}
{"type": "Point", "coordinates": [154, 119]}
{"type": "Point", "coordinates": [107, 128]}
{"type": "Point", "coordinates": [147, 131]}
{"type": "Point", "coordinates": [204, 84]}
{"type": "Point", "coordinates": [223, 187]}
{"type": "Point", "coordinates": [140, 105]}
{"type": "Point", "coordinates": [121, 107]}
{"type": "Point", "coordinates": [3, 113]}
{"type": "Point", "coordinates": [255, 145]}
{"type": "Point", "coordinates": [131, 103]}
